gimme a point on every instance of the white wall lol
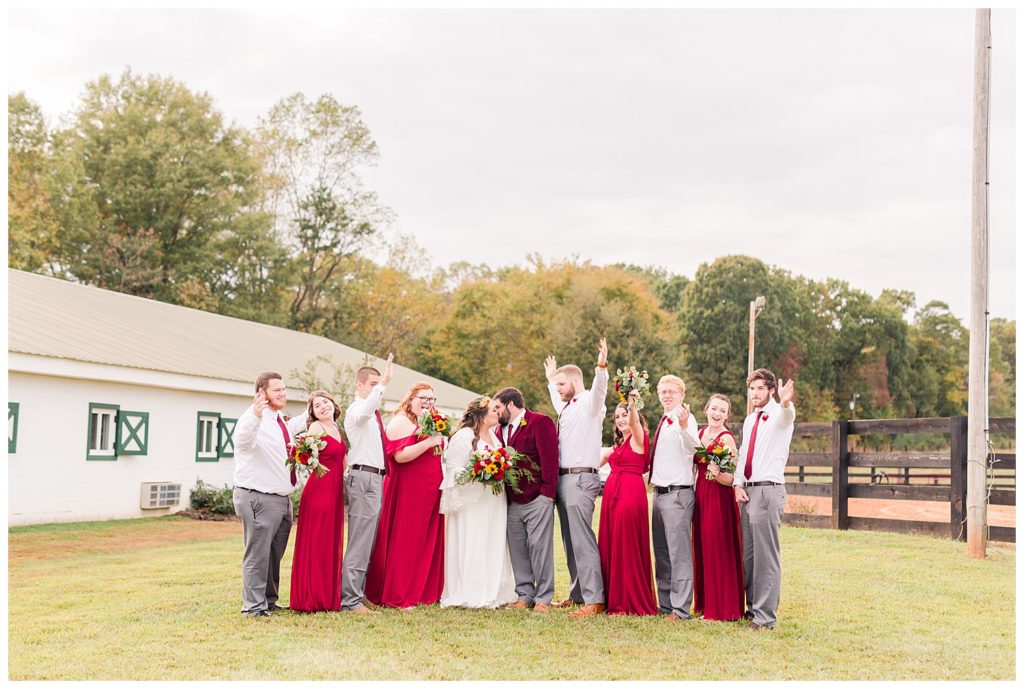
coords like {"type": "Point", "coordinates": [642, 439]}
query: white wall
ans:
{"type": "Point", "coordinates": [49, 478]}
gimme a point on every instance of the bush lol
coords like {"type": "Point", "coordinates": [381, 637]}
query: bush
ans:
{"type": "Point", "coordinates": [205, 498]}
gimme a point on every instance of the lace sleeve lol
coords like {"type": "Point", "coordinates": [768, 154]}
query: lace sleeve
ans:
{"type": "Point", "coordinates": [459, 496]}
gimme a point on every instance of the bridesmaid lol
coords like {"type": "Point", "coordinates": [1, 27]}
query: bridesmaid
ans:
{"type": "Point", "coordinates": [717, 546]}
{"type": "Point", "coordinates": [316, 561]}
{"type": "Point", "coordinates": [407, 564]}
{"type": "Point", "coordinates": [624, 541]}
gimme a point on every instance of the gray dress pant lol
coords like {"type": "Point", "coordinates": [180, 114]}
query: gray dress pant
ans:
{"type": "Point", "coordinates": [266, 524]}
{"type": "Point", "coordinates": [673, 553]}
{"type": "Point", "coordinates": [530, 530]}
{"type": "Point", "coordinates": [363, 491]}
{"type": "Point", "coordinates": [760, 519]}
{"type": "Point", "coordinates": [576, 496]}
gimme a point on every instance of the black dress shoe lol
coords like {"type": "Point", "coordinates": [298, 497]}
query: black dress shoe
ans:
{"type": "Point", "coordinates": [258, 613]}
{"type": "Point", "coordinates": [748, 615]}
{"type": "Point", "coordinates": [276, 608]}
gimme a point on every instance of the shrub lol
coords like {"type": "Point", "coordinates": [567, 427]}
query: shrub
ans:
{"type": "Point", "coordinates": [205, 498]}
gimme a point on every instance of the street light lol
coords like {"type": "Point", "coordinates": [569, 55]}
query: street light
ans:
{"type": "Point", "coordinates": [756, 307]}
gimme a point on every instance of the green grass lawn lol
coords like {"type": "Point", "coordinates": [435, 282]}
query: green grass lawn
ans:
{"type": "Point", "coordinates": [159, 599]}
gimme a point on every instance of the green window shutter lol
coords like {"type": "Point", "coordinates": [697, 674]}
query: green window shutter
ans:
{"type": "Point", "coordinates": [132, 432]}
{"type": "Point", "coordinates": [207, 442]}
{"type": "Point", "coordinates": [101, 432]}
{"type": "Point", "coordinates": [226, 437]}
{"type": "Point", "coordinates": [13, 409]}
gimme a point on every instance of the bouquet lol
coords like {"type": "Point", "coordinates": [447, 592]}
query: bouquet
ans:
{"type": "Point", "coordinates": [304, 451]}
{"type": "Point", "coordinates": [496, 468]}
{"type": "Point", "coordinates": [718, 454]}
{"type": "Point", "coordinates": [433, 422]}
{"type": "Point", "coordinates": [628, 380]}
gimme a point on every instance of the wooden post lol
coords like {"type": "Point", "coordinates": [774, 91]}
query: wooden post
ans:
{"type": "Point", "coordinates": [840, 475]}
{"type": "Point", "coordinates": [958, 477]}
{"type": "Point", "coordinates": [977, 379]}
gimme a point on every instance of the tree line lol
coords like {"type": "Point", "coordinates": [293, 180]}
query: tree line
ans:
{"type": "Point", "coordinates": [144, 188]}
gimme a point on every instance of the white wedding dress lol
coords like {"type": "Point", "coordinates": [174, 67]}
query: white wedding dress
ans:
{"type": "Point", "coordinates": [477, 567]}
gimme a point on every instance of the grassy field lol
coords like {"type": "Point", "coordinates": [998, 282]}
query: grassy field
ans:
{"type": "Point", "coordinates": [158, 599]}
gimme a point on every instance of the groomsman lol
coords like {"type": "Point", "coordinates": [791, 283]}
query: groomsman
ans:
{"type": "Point", "coordinates": [675, 441]}
{"type": "Point", "coordinates": [580, 419]}
{"type": "Point", "coordinates": [262, 486]}
{"type": "Point", "coordinates": [531, 513]}
{"type": "Point", "coordinates": [364, 485]}
{"type": "Point", "coordinates": [759, 484]}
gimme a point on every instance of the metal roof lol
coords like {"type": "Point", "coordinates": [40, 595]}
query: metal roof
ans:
{"type": "Point", "coordinates": [55, 318]}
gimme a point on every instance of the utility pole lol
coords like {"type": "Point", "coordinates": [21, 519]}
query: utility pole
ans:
{"type": "Point", "coordinates": [977, 381]}
{"type": "Point", "coordinates": [756, 306]}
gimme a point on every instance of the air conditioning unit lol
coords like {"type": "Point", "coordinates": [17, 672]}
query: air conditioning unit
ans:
{"type": "Point", "coordinates": [155, 496]}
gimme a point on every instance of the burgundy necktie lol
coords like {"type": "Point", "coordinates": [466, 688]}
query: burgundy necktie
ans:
{"type": "Point", "coordinates": [287, 442]}
{"type": "Point", "coordinates": [750, 448]}
{"type": "Point", "coordinates": [558, 423]}
{"type": "Point", "coordinates": [654, 443]}
{"type": "Point", "coordinates": [383, 440]}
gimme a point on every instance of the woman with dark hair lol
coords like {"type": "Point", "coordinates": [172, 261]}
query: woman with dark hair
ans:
{"type": "Point", "coordinates": [316, 562]}
{"type": "Point", "coordinates": [407, 564]}
{"type": "Point", "coordinates": [624, 540]}
{"type": "Point", "coordinates": [477, 566]}
{"type": "Point", "coordinates": [717, 547]}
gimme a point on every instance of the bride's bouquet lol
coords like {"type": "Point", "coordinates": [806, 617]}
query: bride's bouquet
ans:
{"type": "Point", "coordinates": [629, 379]}
{"type": "Point", "coordinates": [719, 454]}
{"type": "Point", "coordinates": [433, 422]}
{"type": "Point", "coordinates": [496, 468]}
{"type": "Point", "coordinates": [304, 451]}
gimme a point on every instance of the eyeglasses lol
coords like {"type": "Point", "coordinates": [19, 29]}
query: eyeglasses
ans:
{"type": "Point", "coordinates": [427, 400]}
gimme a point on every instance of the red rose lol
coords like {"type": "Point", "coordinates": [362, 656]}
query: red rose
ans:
{"type": "Point", "coordinates": [303, 457]}
{"type": "Point", "coordinates": [668, 420]}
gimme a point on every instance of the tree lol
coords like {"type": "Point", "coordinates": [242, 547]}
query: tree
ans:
{"type": "Point", "coordinates": [31, 224]}
{"type": "Point", "coordinates": [939, 342]}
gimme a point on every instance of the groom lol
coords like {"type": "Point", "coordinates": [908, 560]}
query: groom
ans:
{"type": "Point", "coordinates": [531, 514]}
{"type": "Point", "coordinates": [581, 415]}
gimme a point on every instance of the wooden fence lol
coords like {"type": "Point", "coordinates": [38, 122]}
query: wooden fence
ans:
{"type": "Point", "coordinates": [842, 474]}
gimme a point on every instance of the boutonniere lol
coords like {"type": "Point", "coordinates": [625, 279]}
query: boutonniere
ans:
{"type": "Point", "coordinates": [573, 399]}
{"type": "Point", "coordinates": [286, 417]}
{"type": "Point", "coordinates": [764, 417]}
{"type": "Point", "coordinates": [668, 420]}
{"type": "Point", "coordinates": [522, 422]}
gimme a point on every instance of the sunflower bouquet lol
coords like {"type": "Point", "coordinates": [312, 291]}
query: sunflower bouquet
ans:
{"type": "Point", "coordinates": [496, 468]}
{"type": "Point", "coordinates": [629, 379]}
{"type": "Point", "coordinates": [304, 452]}
{"type": "Point", "coordinates": [433, 422]}
{"type": "Point", "coordinates": [719, 454]}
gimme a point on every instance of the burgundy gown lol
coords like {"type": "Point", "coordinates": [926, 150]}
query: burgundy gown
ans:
{"type": "Point", "coordinates": [717, 548]}
{"type": "Point", "coordinates": [624, 540]}
{"type": "Point", "coordinates": [316, 561]}
{"type": "Point", "coordinates": [407, 564]}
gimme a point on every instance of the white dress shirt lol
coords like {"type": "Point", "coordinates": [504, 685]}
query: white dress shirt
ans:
{"type": "Point", "coordinates": [580, 421]}
{"type": "Point", "coordinates": [512, 427]}
{"type": "Point", "coordinates": [771, 447]}
{"type": "Point", "coordinates": [260, 452]}
{"type": "Point", "coordinates": [673, 455]}
{"type": "Point", "coordinates": [365, 444]}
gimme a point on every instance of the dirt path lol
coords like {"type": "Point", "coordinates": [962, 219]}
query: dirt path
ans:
{"type": "Point", "coordinates": [927, 511]}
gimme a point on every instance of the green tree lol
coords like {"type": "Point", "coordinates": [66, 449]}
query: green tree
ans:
{"type": "Point", "coordinates": [31, 224]}
{"type": "Point", "coordinates": [939, 340]}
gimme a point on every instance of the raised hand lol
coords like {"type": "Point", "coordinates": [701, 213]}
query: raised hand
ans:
{"type": "Point", "coordinates": [634, 398]}
{"type": "Point", "coordinates": [787, 393]}
{"type": "Point", "coordinates": [683, 414]}
{"type": "Point", "coordinates": [259, 403]}
{"type": "Point", "coordinates": [550, 366]}
{"type": "Point", "coordinates": [389, 369]}
{"type": "Point", "coordinates": [602, 354]}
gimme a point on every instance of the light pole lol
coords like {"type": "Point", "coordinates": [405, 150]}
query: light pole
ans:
{"type": "Point", "coordinates": [853, 405]}
{"type": "Point", "coordinates": [756, 307]}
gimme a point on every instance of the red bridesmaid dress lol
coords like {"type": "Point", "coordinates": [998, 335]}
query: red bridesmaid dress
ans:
{"type": "Point", "coordinates": [717, 547]}
{"type": "Point", "coordinates": [624, 541]}
{"type": "Point", "coordinates": [407, 564]}
{"type": "Point", "coordinates": [316, 560]}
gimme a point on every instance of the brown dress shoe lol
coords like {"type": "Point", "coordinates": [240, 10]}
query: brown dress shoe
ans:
{"type": "Point", "coordinates": [518, 605]}
{"type": "Point", "coordinates": [363, 610]}
{"type": "Point", "coordinates": [758, 627]}
{"type": "Point", "coordinates": [541, 607]}
{"type": "Point", "coordinates": [589, 610]}
{"type": "Point", "coordinates": [567, 603]}
{"type": "Point", "coordinates": [672, 617]}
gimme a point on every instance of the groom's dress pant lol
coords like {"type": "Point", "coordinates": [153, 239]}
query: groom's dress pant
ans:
{"type": "Point", "coordinates": [363, 490]}
{"type": "Point", "coordinates": [266, 524]}
{"type": "Point", "coordinates": [673, 553]}
{"type": "Point", "coordinates": [760, 518]}
{"type": "Point", "coordinates": [530, 530]}
{"type": "Point", "coordinates": [576, 496]}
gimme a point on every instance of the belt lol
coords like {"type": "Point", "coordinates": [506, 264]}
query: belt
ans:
{"type": "Point", "coordinates": [661, 490]}
{"type": "Point", "coordinates": [755, 484]}
{"type": "Point", "coordinates": [577, 470]}
{"type": "Point", "coordinates": [363, 467]}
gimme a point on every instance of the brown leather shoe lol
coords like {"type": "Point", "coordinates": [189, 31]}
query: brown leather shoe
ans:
{"type": "Point", "coordinates": [363, 610]}
{"type": "Point", "coordinates": [589, 610]}
{"type": "Point", "coordinates": [518, 605]}
{"type": "Point", "coordinates": [541, 607]}
{"type": "Point", "coordinates": [758, 627]}
{"type": "Point", "coordinates": [672, 617]}
{"type": "Point", "coordinates": [567, 603]}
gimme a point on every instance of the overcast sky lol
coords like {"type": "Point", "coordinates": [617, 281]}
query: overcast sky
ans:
{"type": "Point", "coordinates": [830, 143]}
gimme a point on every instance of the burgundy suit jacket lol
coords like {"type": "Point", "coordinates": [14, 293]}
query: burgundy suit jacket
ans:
{"type": "Point", "coordinates": [538, 440]}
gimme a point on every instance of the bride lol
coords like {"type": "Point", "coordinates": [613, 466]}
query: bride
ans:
{"type": "Point", "coordinates": [477, 567]}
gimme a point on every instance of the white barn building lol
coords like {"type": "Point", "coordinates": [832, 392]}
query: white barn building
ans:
{"type": "Point", "coordinates": [117, 404]}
